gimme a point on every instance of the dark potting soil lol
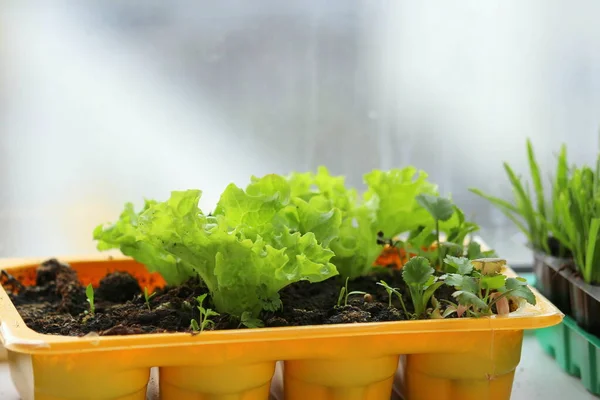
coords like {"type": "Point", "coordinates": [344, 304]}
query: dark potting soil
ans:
{"type": "Point", "coordinates": [57, 304]}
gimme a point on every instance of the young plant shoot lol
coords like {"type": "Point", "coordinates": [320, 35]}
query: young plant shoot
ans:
{"type": "Point", "coordinates": [147, 297]}
{"type": "Point", "coordinates": [344, 294]}
{"type": "Point", "coordinates": [418, 276]}
{"type": "Point", "coordinates": [390, 291]}
{"type": "Point", "coordinates": [249, 322]}
{"type": "Point", "coordinates": [89, 294]}
{"type": "Point", "coordinates": [205, 316]}
{"type": "Point", "coordinates": [529, 214]}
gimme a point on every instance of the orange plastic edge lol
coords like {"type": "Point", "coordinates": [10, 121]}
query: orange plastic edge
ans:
{"type": "Point", "coordinates": [442, 359]}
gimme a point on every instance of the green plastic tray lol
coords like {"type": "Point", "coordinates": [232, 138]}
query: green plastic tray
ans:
{"type": "Point", "coordinates": [576, 351]}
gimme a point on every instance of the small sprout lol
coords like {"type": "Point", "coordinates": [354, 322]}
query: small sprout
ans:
{"type": "Point", "coordinates": [186, 306]}
{"type": "Point", "coordinates": [344, 294]}
{"type": "Point", "coordinates": [194, 325]}
{"type": "Point", "coordinates": [147, 297]}
{"type": "Point", "coordinates": [368, 298]}
{"type": "Point", "coordinates": [205, 315]}
{"type": "Point", "coordinates": [390, 290]}
{"type": "Point", "coordinates": [250, 322]}
{"type": "Point", "coordinates": [436, 312]}
{"type": "Point", "coordinates": [89, 293]}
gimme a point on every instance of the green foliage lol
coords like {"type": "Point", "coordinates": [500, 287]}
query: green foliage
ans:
{"type": "Point", "coordinates": [572, 218]}
{"type": "Point", "coordinates": [579, 220]}
{"type": "Point", "coordinates": [441, 210]}
{"type": "Point", "coordinates": [147, 297]}
{"type": "Point", "coordinates": [390, 290]}
{"type": "Point", "coordinates": [249, 321]}
{"type": "Point", "coordinates": [418, 276]}
{"type": "Point", "coordinates": [477, 291]}
{"type": "Point", "coordinates": [344, 294]}
{"type": "Point", "coordinates": [395, 202]}
{"type": "Point", "coordinates": [89, 294]}
{"type": "Point", "coordinates": [123, 235]}
{"type": "Point", "coordinates": [528, 212]}
{"type": "Point", "coordinates": [205, 316]}
{"type": "Point", "coordinates": [355, 248]}
{"type": "Point", "coordinates": [392, 197]}
{"type": "Point", "coordinates": [421, 241]}
{"type": "Point", "coordinates": [257, 241]}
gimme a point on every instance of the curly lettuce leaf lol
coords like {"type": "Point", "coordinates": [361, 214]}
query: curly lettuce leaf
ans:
{"type": "Point", "coordinates": [356, 246]}
{"type": "Point", "coordinates": [123, 235]}
{"type": "Point", "coordinates": [390, 204]}
{"type": "Point", "coordinates": [258, 241]}
{"type": "Point", "coordinates": [393, 197]}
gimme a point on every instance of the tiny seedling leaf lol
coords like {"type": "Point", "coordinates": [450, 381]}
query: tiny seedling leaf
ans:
{"type": "Point", "coordinates": [524, 292]}
{"type": "Point", "coordinates": [249, 322]}
{"type": "Point", "coordinates": [515, 283]}
{"type": "Point", "coordinates": [417, 271]}
{"type": "Point", "coordinates": [354, 292]}
{"type": "Point", "coordinates": [517, 287]}
{"type": "Point", "coordinates": [461, 265]}
{"type": "Point", "coordinates": [440, 208]}
{"type": "Point", "coordinates": [272, 303]}
{"type": "Point", "coordinates": [468, 298]}
{"type": "Point", "coordinates": [492, 282]}
{"type": "Point", "coordinates": [89, 293]}
{"type": "Point", "coordinates": [429, 292]}
{"type": "Point", "coordinates": [461, 282]}
{"type": "Point", "coordinates": [194, 325]}
{"type": "Point", "coordinates": [341, 296]}
{"type": "Point", "coordinates": [454, 280]}
{"type": "Point", "coordinates": [449, 311]}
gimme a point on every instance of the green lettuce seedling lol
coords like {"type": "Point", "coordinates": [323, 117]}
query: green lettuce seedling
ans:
{"type": "Point", "coordinates": [418, 276]}
{"type": "Point", "coordinates": [389, 205]}
{"type": "Point", "coordinates": [205, 315]}
{"type": "Point", "coordinates": [344, 294]}
{"type": "Point", "coordinates": [89, 293]}
{"type": "Point", "coordinates": [256, 242]}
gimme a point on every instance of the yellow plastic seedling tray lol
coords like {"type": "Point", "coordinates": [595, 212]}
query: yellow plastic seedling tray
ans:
{"type": "Point", "coordinates": [453, 359]}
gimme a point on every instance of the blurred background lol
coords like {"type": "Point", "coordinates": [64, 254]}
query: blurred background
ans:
{"type": "Point", "coordinates": [107, 102]}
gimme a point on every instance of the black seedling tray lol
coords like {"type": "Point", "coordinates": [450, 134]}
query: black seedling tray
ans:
{"type": "Point", "coordinates": [558, 281]}
{"type": "Point", "coordinates": [553, 285]}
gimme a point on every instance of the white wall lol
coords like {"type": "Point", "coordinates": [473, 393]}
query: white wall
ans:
{"type": "Point", "coordinates": [105, 102]}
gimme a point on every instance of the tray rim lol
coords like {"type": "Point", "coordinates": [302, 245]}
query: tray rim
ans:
{"type": "Point", "coordinates": [16, 336]}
